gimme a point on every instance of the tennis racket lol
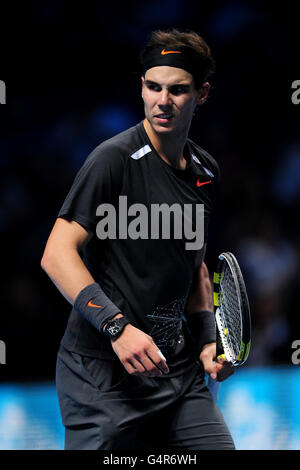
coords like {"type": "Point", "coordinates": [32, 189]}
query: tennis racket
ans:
{"type": "Point", "coordinates": [232, 311]}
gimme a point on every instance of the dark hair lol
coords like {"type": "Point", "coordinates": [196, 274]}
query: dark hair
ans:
{"type": "Point", "coordinates": [188, 39]}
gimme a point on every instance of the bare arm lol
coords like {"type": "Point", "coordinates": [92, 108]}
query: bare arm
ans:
{"type": "Point", "coordinates": [201, 297]}
{"type": "Point", "coordinates": [61, 259]}
{"type": "Point", "coordinates": [62, 262]}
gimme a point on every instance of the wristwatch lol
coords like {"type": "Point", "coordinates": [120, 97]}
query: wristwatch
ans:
{"type": "Point", "coordinates": [114, 328]}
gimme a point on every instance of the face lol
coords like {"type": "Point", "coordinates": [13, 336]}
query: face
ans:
{"type": "Point", "coordinates": [170, 98]}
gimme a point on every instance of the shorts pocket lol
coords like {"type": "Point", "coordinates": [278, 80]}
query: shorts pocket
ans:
{"type": "Point", "coordinates": [104, 375]}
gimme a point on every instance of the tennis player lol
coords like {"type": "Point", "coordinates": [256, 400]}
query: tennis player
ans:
{"type": "Point", "coordinates": [141, 334]}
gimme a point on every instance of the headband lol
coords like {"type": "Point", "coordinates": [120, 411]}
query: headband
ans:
{"type": "Point", "coordinates": [180, 57]}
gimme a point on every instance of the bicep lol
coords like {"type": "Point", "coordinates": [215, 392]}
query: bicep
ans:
{"type": "Point", "coordinates": [61, 259]}
{"type": "Point", "coordinates": [68, 235]}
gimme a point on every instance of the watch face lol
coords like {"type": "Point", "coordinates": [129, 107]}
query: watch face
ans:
{"type": "Point", "coordinates": [113, 329]}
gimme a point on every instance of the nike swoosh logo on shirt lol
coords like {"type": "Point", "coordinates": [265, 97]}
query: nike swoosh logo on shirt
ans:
{"type": "Point", "coordinates": [201, 184]}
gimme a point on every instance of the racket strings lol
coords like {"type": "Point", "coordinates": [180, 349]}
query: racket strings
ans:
{"type": "Point", "coordinates": [230, 311]}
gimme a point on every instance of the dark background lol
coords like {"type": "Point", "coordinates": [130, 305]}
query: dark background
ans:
{"type": "Point", "coordinates": [71, 81]}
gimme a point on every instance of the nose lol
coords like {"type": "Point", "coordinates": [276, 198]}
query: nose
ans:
{"type": "Point", "coordinates": [164, 98]}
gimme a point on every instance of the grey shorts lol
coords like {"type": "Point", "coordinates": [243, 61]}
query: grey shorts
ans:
{"type": "Point", "coordinates": [105, 408]}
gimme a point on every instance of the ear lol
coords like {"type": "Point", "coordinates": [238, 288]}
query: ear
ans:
{"type": "Point", "coordinates": [203, 93]}
{"type": "Point", "coordinates": [143, 82]}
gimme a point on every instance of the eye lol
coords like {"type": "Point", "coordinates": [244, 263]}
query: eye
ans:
{"type": "Point", "coordinates": [178, 89]}
{"type": "Point", "coordinates": [153, 86]}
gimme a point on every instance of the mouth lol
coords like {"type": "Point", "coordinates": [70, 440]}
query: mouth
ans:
{"type": "Point", "coordinates": [164, 118]}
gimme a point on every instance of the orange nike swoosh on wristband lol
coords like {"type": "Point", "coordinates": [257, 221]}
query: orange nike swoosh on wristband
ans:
{"type": "Point", "coordinates": [164, 52]}
{"type": "Point", "coordinates": [90, 304]}
{"type": "Point", "coordinates": [201, 184]}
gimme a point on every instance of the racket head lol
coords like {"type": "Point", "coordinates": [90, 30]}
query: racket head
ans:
{"type": "Point", "coordinates": [232, 310]}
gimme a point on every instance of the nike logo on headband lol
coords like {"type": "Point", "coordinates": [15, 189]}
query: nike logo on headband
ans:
{"type": "Point", "coordinates": [164, 52]}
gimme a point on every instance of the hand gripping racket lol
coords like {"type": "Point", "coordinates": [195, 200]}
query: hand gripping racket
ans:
{"type": "Point", "coordinates": [232, 311]}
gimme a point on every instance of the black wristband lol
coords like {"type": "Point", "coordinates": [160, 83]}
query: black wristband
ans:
{"type": "Point", "coordinates": [202, 326]}
{"type": "Point", "coordinates": [94, 305]}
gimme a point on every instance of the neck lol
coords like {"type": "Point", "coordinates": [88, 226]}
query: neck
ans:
{"type": "Point", "coordinates": [168, 146]}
